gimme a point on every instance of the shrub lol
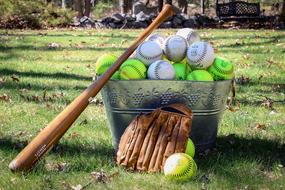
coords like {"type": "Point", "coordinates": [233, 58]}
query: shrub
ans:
{"type": "Point", "coordinates": [33, 14]}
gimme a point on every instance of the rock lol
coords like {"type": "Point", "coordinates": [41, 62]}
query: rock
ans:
{"type": "Point", "coordinates": [138, 7]}
{"type": "Point", "coordinates": [141, 16]}
{"type": "Point", "coordinates": [140, 24]}
{"type": "Point", "coordinates": [167, 24]}
{"type": "Point", "coordinates": [118, 18]}
{"type": "Point", "coordinates": [86, 22]}
{"type": "Point", "coordinates": [177, 22]}
{"type": "Point", "coordinates": [190, 23]}
{"type": "Point", "coordinates": [107, 20]}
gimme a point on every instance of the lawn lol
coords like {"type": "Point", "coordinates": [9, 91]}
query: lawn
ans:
{"type": "Point", "coordinates": [38, 80]}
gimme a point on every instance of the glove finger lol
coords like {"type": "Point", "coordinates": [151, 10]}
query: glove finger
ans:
{"type": "Point", "coordinates": [170, 148]}
{"type": "Point", "coordinates": [162, 142]}
{"type": "Point", "coordinates": [183, 135]}
{"type": "Point", "coordinates": [151, 142]}
{"type": "Point", "coordinates": [126, 140]}
{"type": "Point", "coordinates": [143, 124]}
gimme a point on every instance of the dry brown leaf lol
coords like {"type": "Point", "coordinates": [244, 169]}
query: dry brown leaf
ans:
{"type": "Point", "coordinates": [267, 103]}
{"type": "Point", "coordinates": [2, 80]}
{"type": "Point", "coordinates": [102, 177]}
{"type": "Point", "coordinates": [5, 98]}
{"type": "Point", "coordinates": [56, 166]}
{"type": "Point", "coordinates": [260, 126]}
{"type": "Point", "coordinates": [99, 176]}
{"type": "Point", "coordinates": [15, 78]}
{"type": "Point", "coordinates": [243, 80]}
{"type": "Point", "coordinates": [270, 62]}
{"type": "Point", "coordinates": [73, 135]}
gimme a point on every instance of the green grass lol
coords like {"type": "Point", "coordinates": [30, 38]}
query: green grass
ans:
{"type": "Point", "coordinates": [245, 157]}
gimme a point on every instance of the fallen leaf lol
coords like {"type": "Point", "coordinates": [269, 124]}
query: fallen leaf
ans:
{"type": "Point", "coordinates": [99, 176]}
{"type": "Point", "coordinates": [84, 122]}
{"type": "Point", "coordinates": [73, 135]}
{"type": "Point", "coordinates": [243, 80]}
{"type": "Point", "coordinates": [230, 105]}
{"type": "Point", "coordinates": [5, 98]}
{"type": "Point", "coordinates": [15, 78]}
{"type": "Point", "coordinates": [260, 126]}
{"type": "Point", "coordinates": [270, 62]}
{"type": "Point", "coordinates": [56, 166]}
{"type": "Point", "coordinates": [2, 80]}
{"type": "Point", "coordinates": [77, 187]}
{"type": "Point", "coordinates": [267, 103]}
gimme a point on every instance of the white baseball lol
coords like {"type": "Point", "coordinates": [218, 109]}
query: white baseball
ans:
{"type": "Point", "coordinates": [189, 34]}
{"type": "Point", "coordinates": [200, 55]}
{"type": "Point", "coordinates": [157, 38]}
{"type": "Point", "coordinates": [161, 70]}
{"type": "Point", "coordinates": [148, 52]}
{"type": "Point", "coordinates": [175, 48]}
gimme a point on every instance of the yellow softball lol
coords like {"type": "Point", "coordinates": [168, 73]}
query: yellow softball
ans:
{"type": "Point", "coordinates": [179, 167]}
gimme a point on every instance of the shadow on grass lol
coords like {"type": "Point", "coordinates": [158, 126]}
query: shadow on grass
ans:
{"type": "Point", "coordinates": [100, 152]}
{"type": "Point", "coordinates": [234, 148]}
{"type": "Point", "coordinates": [230, 149]}
{"type": "Point", "coordinates": [58, 75]}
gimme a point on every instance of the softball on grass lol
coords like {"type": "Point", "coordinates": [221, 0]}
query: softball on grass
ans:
{"type": "Point", "coordinates": [200, 55]}
{"type": "Point", "coordinates": [104, 62]}
{"type": "Point", "coordinates": [180, 71]}
{"type": "Point", "coordinates": [200, 75]}
{"type": "Point", "coordinates": [161, 70]}
{"type": "Point", "coordinates": [132, 69]}
{"type": "Point", "coordinates": [222, 69]}
{"type": "Point", "coordinates": [148, 52]}
{"type": "Point", "coordinates": [179, 167]}
{"type": "Point", "coordinates": [189, 34]}
{"type": "Point", "coordinates": [190, 148]}
{"type": "Point", "coordinates": [175, 48]}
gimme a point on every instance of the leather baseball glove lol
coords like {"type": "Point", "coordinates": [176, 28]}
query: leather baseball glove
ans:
{"type": "Point", "coordinates": [151, 138]}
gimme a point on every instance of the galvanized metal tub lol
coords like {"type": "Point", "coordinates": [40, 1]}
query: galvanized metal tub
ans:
{"type": "Point", "coordinates": [125, 99]}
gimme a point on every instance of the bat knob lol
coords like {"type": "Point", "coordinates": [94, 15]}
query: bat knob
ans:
{"type": "Point", "coordinates": [13, 165]}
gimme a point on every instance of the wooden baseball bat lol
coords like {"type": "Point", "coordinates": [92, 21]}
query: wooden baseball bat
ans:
{"type": "Point", "coordinates": [50, 135]}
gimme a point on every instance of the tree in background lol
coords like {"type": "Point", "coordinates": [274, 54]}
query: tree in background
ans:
{"type": "Point", "coordinates": [125, 6]}
{"type": "Point", "coordinates": [283, 11]}
{"type": "Point", "coordinates": [82, 7]}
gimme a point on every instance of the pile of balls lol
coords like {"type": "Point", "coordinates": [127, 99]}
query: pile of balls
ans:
{"type": "Point", "coordinates": [182, 56]}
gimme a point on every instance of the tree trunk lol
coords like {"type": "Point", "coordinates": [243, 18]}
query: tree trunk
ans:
{"type": "Point", "coordinates": [124, 6]}
{"type": "Point", "coordinates": [202, 6]}
{"type": "Point", "coordinates": [87, 8]}
{"type": "Point", "coordinates": [63, 4]}
{"type": "Point", "coordinates": [283, 11]}
{"type": "Point", "coordinates": [78, 7]}
{"type": "Point", "coordinates": [160, 5]}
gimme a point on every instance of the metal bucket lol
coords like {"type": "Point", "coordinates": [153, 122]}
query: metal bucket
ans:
{"type": "Point", "coordinates": [125, 99]}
